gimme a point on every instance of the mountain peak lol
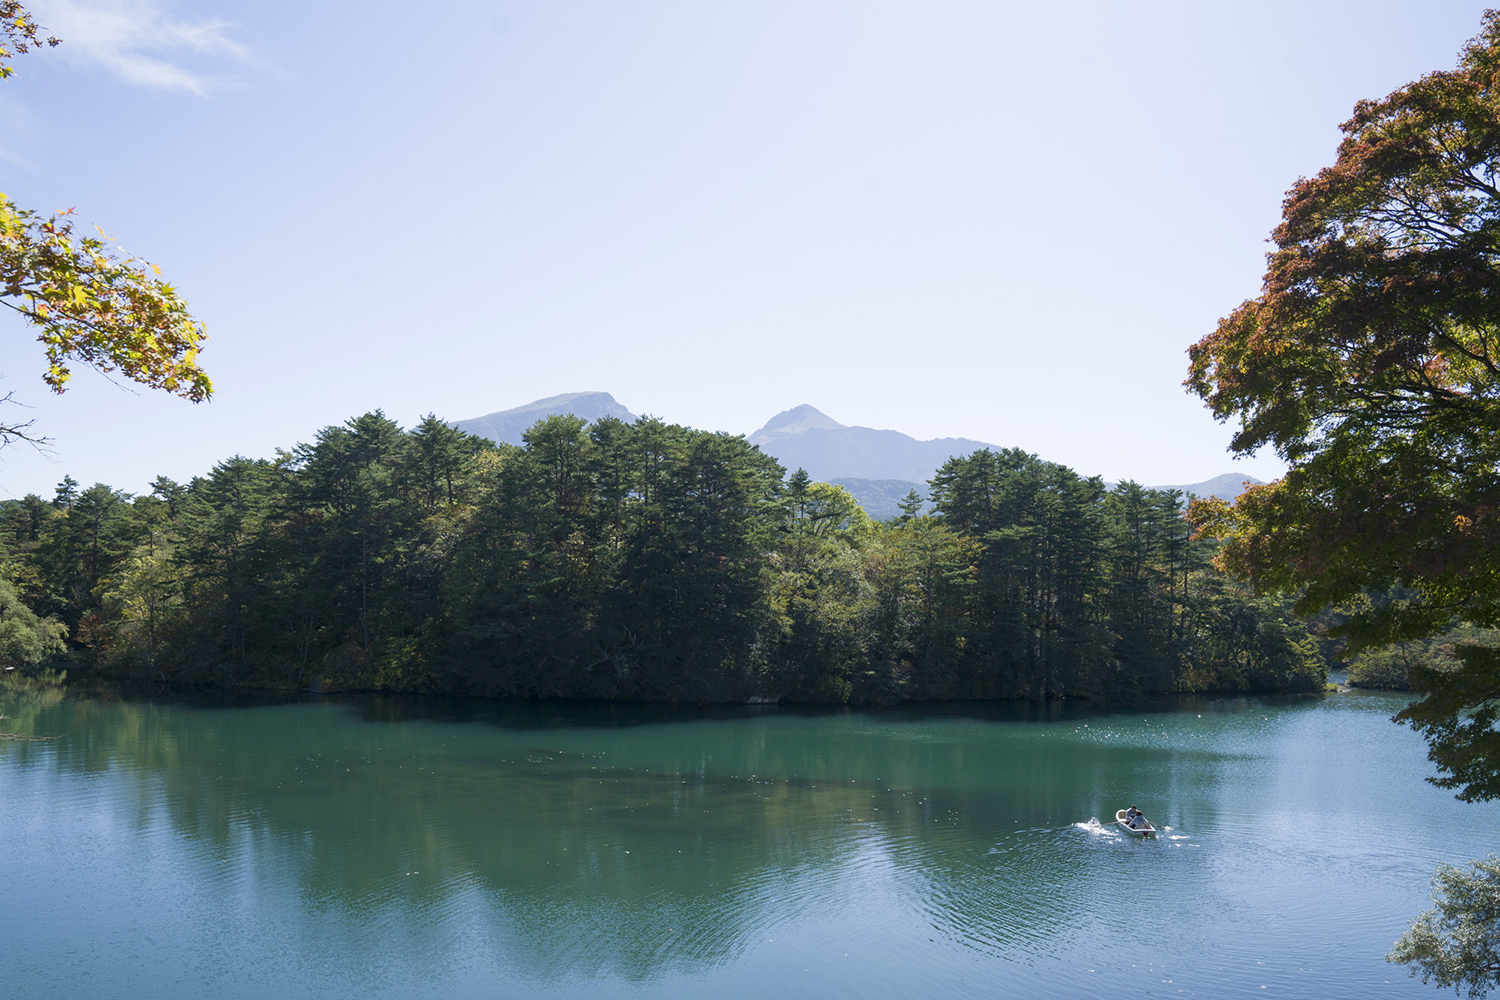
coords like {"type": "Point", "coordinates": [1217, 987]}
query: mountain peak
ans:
{"type": "Point", "coordinates": [1226, 487]}
{"type": "Point", "coordinates": [507, 426]}
{"type": "Point", "coordinates": [804, 437]}
{"type": "Point", "coordinates": [795, 421]}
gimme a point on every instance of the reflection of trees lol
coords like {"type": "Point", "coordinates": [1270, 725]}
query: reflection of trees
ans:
{"type": "Point", "coordinates": [23, 697]}
{"type": "Point", "coordinates": [603, 849]}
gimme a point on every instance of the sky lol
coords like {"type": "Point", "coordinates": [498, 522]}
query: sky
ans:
{"type": "Point", "coordinates": [1001, 221]}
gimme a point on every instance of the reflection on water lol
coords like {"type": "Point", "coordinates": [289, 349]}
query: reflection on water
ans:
{"type": "Point", "coordinates": [402, 847]}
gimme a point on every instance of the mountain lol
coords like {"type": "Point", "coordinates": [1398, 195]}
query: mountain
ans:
{"type": "Point", "coordinates": [881, 498]}
{"type": "Point", "coordinates": [878, 467]}
{"type": "Point", "coordinates": [1226, 487]}
{"type": "Point", "coordinates": [506, 426]}
{"type": "Point", "coordinates": [795, 421]}
{"type": "Point", "coordinates": [804, 437]}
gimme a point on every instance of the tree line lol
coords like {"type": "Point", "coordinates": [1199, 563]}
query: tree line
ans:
{"type": "Point", "coordinates": [633, 561]}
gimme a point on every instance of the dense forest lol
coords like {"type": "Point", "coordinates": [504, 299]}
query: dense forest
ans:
{"type": "Point", "coordinates": [632, 561]}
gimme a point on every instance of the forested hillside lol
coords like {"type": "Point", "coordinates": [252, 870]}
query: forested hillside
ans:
{"type": "Point", "coordinates": [639, 561]}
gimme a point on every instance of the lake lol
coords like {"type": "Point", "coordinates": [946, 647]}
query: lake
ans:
{"type": "Point", "coordinates": [429, 848]}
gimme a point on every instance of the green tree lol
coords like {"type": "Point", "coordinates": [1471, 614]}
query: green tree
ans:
{"type": "Point", "coordinates": [525, 586]}
{"type": "Point", "coordinates": [1457, 943]}
{"type": "Point", "coordinates": [170, 493]}
{"type": "Point", "coordinates": [143, 602]}
{"type": "Point", "coordinates": [1370, 362]}
{"type": "Point", "coordinates": [1144, 547]}
{"type": "Point", "coordinates": [911, 506]}
{"type": "Point", "coordinates": [222, 530]}
{"type": "Point", "coordinates": [922, 627]}
{"type": "Point", "coordinates": [821, 598]}
{"type": "Point", "coordinates": [25, 518]}
{"type": "Point", "coordinates": [690, 576]}
{"type": "Point", "coordinates": [437, 463]}
{"type": "Point", "coordinates": [1245, 642]}
{"type": "Point", "coordinates": [350, 481]}
{"type": "Point", "coordinates": [1042, 572]}
{"type": "Point", "coordinates": [1458, 717]}
{"type": "Point", "coordinates": [67, 493]}
{"type": "Point", "coordinates": [25, 639]}
{"type": "Point", "coordinates": [78, 554]}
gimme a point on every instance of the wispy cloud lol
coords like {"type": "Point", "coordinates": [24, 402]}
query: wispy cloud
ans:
{"type": "Point", "coordinates": [141, 42]}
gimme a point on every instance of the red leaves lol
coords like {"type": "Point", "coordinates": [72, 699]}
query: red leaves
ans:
{"type": "Point", "coordinates": [1371, 360]}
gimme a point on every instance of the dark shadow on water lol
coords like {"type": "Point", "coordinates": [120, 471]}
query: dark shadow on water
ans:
{"type": "Point", "coordinates": [578, 713]}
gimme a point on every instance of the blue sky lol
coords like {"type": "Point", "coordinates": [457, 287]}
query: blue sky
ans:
{"type": "Point", "coordinates": [999, 221]}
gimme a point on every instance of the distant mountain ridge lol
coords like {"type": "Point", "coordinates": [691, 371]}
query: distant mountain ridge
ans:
{"type": "Point", "coordinates": [881, 498]}
{"type": "Point", "coordinates": [805, 437]}
{"type": "Point", "coordinates": [1226, 487]}
{"type": "Point", "coordinates": [878, 467]}
{"type": "Point", "coordinates": [507, 426]}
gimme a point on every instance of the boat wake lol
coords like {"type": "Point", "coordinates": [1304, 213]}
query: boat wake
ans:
{"type": "Point", "coordinates": [1097, 829]}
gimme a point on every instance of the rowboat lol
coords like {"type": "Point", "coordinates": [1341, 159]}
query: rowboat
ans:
{"type": "Point", "coordinates": [1145, 831]}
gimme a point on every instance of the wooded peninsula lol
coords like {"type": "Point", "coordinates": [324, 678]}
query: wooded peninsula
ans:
{"type": "Point", "coordinates": [642, 561]}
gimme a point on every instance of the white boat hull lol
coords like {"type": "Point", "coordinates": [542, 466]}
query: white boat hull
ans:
{"type": "Point", "coordinates": [1145, 831]}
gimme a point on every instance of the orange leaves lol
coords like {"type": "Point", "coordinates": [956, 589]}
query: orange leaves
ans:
{"type": "Point", "coordinates": [1379, 314]}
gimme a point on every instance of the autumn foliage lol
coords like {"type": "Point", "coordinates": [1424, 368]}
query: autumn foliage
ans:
{"type": "Point", "coordinates": [1371, 363]}
{"type": "Point", "coordinates": [93, 303]}
{"type": "Point", "coordinates": [97, 306]}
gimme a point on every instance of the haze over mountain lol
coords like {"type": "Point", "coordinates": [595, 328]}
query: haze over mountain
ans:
{"type": "Point", "coordinates": [506, 426]}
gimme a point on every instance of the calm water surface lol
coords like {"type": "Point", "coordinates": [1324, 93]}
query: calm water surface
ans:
{"type": "Point", "coordinates": [400, 848]}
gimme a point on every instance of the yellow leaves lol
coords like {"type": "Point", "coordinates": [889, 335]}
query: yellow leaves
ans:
{"type": "Point", "coordinates": [18, 33]}
{"type": "Point", "coordinates": [1212, 517]}
{"type": "Point", "coordinates": [98, 306]}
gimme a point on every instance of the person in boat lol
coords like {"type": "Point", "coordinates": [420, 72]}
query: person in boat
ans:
{"type": "Point", "coordinates": [1135, 818]}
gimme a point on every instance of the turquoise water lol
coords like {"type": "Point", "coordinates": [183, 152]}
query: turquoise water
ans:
{"type": "Point", "coordinates": [395, 848]}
